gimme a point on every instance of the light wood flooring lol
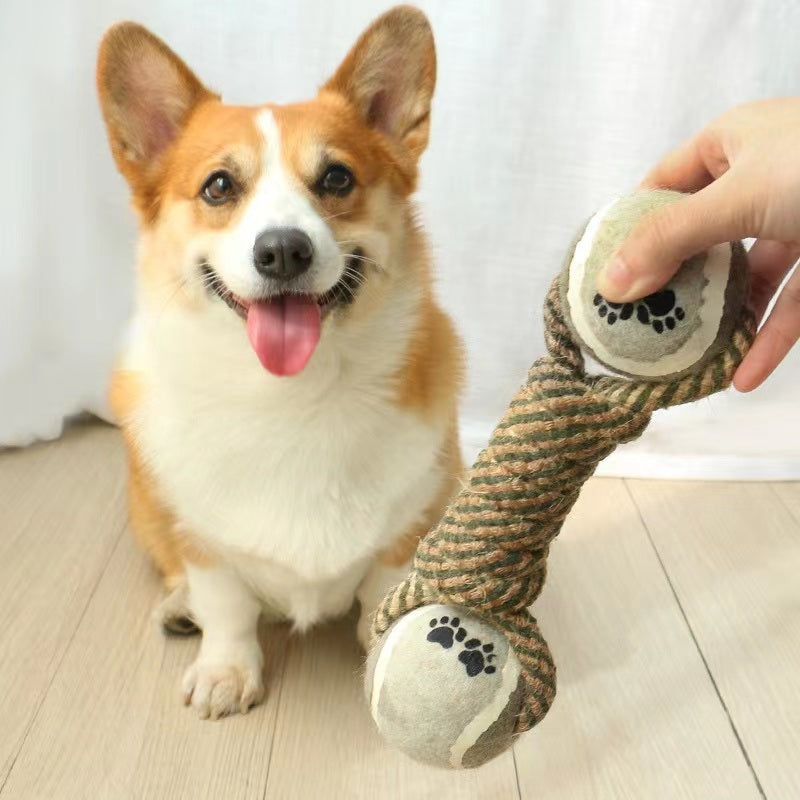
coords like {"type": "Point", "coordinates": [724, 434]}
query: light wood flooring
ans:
{"type": "Point", "coordinates": [673, 610]}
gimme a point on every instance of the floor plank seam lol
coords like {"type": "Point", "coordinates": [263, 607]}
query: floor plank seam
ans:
{"type": "Point", "coordinates": [792, 511]}
{"type": "Point", "coordinates": [516, 772]}
{"type": "Point", "coordinates": [57, 667]}
{"type": "Point", "coordinates": [710, 674]}
{"type": "Point", "coordinates": [152, 707]}
{"type": "Point", "coordinates": [282, 681]}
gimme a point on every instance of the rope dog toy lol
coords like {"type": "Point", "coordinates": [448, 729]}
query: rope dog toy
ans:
{"type": "Point", "coordinates": [458, 666]}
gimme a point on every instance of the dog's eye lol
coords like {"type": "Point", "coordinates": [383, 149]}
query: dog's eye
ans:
{"type": "Point", "coordinates": [337, 180]}
{"type": "Point", "coordinates": [218, 188]}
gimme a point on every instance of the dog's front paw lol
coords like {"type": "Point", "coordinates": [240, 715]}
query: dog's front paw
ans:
{"type": "Point", "coordinates": [216, 687]}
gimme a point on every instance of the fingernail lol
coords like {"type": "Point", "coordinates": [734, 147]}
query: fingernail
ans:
{"type": "Point", "coordinates": [616, 276]}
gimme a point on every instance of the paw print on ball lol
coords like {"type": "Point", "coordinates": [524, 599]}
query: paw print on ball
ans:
{"type": "Point", "coordinates": [659, 310]}
{"type": "Point", "coordinates": [476, 656]}
{"type": "Point", "coordinates": [611, 312]}
{"type": "Point", "coordinates": [446, 631]}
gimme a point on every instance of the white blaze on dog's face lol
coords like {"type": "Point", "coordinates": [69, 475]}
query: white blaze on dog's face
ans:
{"type": "Point", "coordinates": [283, 214]}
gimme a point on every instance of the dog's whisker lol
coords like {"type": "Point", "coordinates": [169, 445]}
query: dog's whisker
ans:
{"type": "Point", "coordinates": [367, 260]}
{"type": "Point", "coordinates": [333, 216]}
{"type": "Point", "coordinates": [354, 275]}
{"type": "Point", "coordinates": [180, 284]}
{"type": "Point", "coordinates": [171, 282]}
{"type": "Point", "coordinates": [353, 271]}
{"type": "Point", "coordinates": [363, 258]}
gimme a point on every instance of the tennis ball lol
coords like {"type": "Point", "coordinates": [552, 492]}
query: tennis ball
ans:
{"type": "Point", "coordinates": [671, 332]}
{"type": "Point", "coordinates": [444, 687]}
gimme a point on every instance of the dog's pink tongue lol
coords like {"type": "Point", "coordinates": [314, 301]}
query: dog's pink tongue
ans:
{"type": "Point", "coordinates": [284, 332]}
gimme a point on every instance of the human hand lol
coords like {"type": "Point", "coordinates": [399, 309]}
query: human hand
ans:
{"type": "Point", "coordinates": [744, 172]}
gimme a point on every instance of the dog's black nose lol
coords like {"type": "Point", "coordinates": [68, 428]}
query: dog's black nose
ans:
{"type": "Point", "coordinates": [282, 253]}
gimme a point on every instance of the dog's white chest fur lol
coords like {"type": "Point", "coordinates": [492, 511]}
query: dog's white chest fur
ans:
{"type": "Point", "coordinates": [297, 482]}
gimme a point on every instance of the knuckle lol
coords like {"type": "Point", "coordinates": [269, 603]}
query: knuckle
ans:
{"type": "Point", "coordinates": [651, 249]}
{"type": "Point", "coordinates": [660, 231]}
{"type": "Point", "coordinates": [649, 233]}
{"type": "Point", "coordinates": [746, 211]}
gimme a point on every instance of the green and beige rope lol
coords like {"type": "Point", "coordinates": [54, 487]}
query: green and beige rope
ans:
{"type": "Point", "coordinates": [488, 554]}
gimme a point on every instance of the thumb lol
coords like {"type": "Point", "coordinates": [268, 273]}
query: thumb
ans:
{"type": "Point", "coordinates": [664, 239]}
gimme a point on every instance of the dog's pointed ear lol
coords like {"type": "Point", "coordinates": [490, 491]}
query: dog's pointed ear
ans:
{"type": "Point", "coordinates": [390, 75]}
{"type": "Point", "coordinates": [146, 95]}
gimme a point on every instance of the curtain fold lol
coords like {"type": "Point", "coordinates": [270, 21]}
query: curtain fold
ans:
{"type": "Point", "coordinates": [543, 110]}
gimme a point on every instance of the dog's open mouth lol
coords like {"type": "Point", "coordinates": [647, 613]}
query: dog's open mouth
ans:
{"type": "Point", "coordinates": [284, 329]}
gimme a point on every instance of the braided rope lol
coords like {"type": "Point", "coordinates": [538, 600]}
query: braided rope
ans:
{"type": "Point", "coordinates": [489, 552]}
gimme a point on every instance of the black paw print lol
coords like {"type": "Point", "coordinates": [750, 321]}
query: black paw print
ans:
{"type": "Point", "coordinates": [658, 310]}
{"type": "Point", "coordinates": [446, 631]}
{"type": "Point", "coordinates": [477, 660]}
{"type": "Point", "coordinates": [476, 657]}
{"type": "Point", "coordinates": [612, 311]}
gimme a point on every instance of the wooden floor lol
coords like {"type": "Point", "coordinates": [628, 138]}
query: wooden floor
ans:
{"type": "Point", "coordinates": [673, 610]}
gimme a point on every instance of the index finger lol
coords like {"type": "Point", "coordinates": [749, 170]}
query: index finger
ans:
{"type": "Point", "coordinates": [775, 339]}
{"type": "Point", "coordinates": [684, 169]}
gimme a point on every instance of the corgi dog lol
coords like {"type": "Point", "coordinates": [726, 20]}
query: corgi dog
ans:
{"type": "Point", "coordinates": [288, 396]}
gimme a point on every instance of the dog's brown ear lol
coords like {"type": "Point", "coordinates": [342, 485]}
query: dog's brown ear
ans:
{"type": "Point", "coordinates": [146, 95]}
{"type": "Point", "coordinates": [390, 75]}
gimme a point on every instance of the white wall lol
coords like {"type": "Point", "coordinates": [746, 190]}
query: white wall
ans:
{"type": "Point", "coordinates": [544, 108]}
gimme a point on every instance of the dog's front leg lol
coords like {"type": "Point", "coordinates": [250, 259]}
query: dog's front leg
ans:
{"type": "Point", "coordinates": [226, 676]}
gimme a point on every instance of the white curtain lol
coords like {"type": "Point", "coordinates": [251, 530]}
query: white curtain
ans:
{"type": "Point", "coordinates": [544, 108]}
